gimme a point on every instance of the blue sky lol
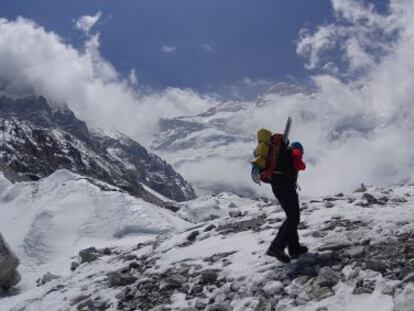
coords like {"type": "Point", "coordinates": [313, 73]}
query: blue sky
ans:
{"type": "Point", "coordinates": [205, 45]}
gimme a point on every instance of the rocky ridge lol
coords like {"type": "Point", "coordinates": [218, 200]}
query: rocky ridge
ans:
{"type": "Point", "coordinates": [361, 258]}
{"type": "Point", "coordinates": [37, 139]}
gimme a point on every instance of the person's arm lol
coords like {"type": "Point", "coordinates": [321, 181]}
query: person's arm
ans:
{"type": "Point", "coordinates": [298, 163]}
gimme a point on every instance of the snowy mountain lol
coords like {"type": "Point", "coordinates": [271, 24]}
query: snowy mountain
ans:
{"type": "Point", "coordinates": [213, 149]}
{"type": "Point", "coordinates": [37, 139]}
{"type": "Point", "coordinates": [361, 254]}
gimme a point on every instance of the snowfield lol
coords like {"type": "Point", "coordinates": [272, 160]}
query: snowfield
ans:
{"type": "Point", "coordinates": [361, 253]}
{"type": "Point", "coordinates": [49, 221]}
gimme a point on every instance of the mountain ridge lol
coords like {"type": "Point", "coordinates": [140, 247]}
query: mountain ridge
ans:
{"type": "Point", "coordinates": [38, 139]}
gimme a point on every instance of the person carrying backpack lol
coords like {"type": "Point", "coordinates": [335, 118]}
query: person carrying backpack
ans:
{"type": "Point", "coordinates": [283, 163]}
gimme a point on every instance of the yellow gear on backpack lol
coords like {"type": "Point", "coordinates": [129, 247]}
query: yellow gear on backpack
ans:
{"type": "Point", "coordinates": [261, 152]}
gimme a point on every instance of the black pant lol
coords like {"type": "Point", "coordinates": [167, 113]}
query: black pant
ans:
{"type": "Point", "coordinates": [285, 191]}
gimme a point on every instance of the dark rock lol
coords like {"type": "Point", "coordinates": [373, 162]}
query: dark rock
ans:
{"type": "Point", "coordinates": [362, 188]}
{"type": "Point", "coordinates": [370, 199]}
{"type": "Point", "coordinates": [233, 205]}
{"type": "Point", "coordinates": [208, 276]}
{"type": "Point", "coordinates": [9, 276]}
{"type": "Point", "coordinates": [364, 286]}
{"type": "Point", "coordinates": [119, 278]}
{"type": "Point", "coordinates": [329, 205]}
{"type": "Point", "coordinates": [355, 252]}
{"type": "Point", "coordinates": [235, 214]}
{"type": "Point", "coordinates": [254, 224]}
{"type": "Point", "coordinates": [319, 293]}
{"type": "Point", "coordinates": [130, 257]}
{"type": "Point", "coordinates": [219, 307]}
{"type": "Point", "coordinates": [175, 281]}
{"type": "Point", "coordinates": [88, 255]}
{"type": "Point", "coordinates": [327, 277]}
{"type": "Point", "coordinates": [302, 226]}
{"type": "Point", "coordinates": [200, 304]}
{"type": "Point", "coordinates": [361, 291]}
{"type": "Point", "coordinates": [218, 256]}
{"type": "Point", "coordinates": [48, 277]}
{"type": "Point", "coordinates": [174, 207]}
{"type": "Point", "coordinates": [210, 227]}
{"type": "Point", "coordinates": [79, 298]}
{"type": "Point", "coordinates": [74, 265]}
{"type": "Point", "coordinates": [106, 251]}
{"type": "Point", "coordinates": [375, 265]}
{"type": "Point", "coordinates": [399, 200]}
{"type": "Point", "coordinates": [193, 235]}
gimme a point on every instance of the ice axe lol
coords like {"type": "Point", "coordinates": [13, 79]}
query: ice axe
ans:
{"type": "Point", "coordinates": [287, 130]}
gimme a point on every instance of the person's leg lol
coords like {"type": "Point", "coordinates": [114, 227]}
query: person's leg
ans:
{"type": "Point", "coordinates": [277, 247]}
{"type": "Point", "coordinates": [293, 219]}
{"type": "Point", "coordinates": [287, 234]}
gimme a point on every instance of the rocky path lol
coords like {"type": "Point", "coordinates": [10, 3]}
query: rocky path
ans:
{"type": "Point", "coordinates": [361, 258]}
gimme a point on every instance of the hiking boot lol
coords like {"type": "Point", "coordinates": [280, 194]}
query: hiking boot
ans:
{"type": "Point", "coordinates": [279, 254]}
{"type": "Point", "coordinates": [297, 252]}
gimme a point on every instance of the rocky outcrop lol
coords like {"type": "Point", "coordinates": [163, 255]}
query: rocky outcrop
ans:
{"type": "Point", "coordinates": [8, 266]}
{"type": "Point", "coordinates": [36, 140]}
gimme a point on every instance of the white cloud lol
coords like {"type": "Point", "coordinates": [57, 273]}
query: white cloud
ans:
{"type": "Point", "coordinates": [35, 60]}
{"type": "Point", "coordinates": [87, 22]}
{"type": "Point", "coordinates": [133, 79]}
{"type": "Point", "coordinates": [358, 31]}
{"type": "Point", "coordinates": [168, 49]}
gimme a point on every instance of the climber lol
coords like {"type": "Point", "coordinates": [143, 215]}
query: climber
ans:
{"type": "Point", "coordinates": [284, 184]}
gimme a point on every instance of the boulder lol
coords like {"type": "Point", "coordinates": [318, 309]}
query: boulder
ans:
{"type": "Point", "coordinates": [8, 265]}
{"type": "Point", "coordinates": [327, 277]}
{"type": "Point", "coordinates": [362, 188]}
{"type": "Point", "coordinates": [193, 235]}
{"type": "Point", "coordinates": [88, 255]}
{"type": "Point", "coordinates": [120, 278]}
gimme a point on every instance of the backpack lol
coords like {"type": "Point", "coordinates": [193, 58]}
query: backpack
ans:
{"type": "Point", "coordinates": [267, 153]}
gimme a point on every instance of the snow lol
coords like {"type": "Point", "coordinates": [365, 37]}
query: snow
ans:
{"type": "Point", "coordinates": [49, 221]}
{"type": "Point", "coordinates": [204, 208]}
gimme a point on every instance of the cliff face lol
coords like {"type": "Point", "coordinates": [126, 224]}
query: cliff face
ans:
{"type": "Point", "coordinates": [36, 140]}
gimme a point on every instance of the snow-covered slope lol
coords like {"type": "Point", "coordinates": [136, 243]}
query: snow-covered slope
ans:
{"type": "Point", "coordinates": [361, 259]}
{"type": "Point", "coordinates": [37, 139]}
{"type": "Point", "coordinates": [48, 221]}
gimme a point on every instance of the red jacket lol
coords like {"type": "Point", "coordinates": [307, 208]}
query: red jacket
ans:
{"type": "Point", "coordinates": [297, 161]}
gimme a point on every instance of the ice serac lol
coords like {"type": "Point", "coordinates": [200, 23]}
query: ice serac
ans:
{"type": "Point", "coordinates": [37, 139]}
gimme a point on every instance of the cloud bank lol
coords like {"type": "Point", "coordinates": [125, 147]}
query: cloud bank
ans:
{"type": "Point", "coordinates": [34, 60]}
